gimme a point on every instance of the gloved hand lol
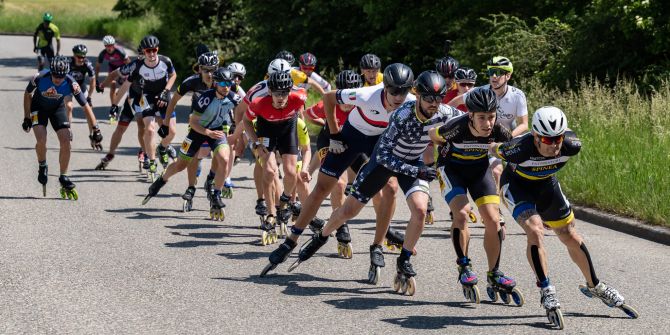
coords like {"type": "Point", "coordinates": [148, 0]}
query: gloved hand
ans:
{"type": "Point", "coordinates": [96, 139]}
{"type": "Point", "coordinates": [427, 173]}
{"type": "Point", "coordinates": [337, 145]}
{"type": "Point", "coordinates": [163, 131]}
{"type": "Point", "coordinates": [27, 124]}
{"type": "Point", "coordinates": [114, 112]}
{"type": "Point", "coordinates": [99, 88]}
{"type": "Point", "coordinates": [164, 98]}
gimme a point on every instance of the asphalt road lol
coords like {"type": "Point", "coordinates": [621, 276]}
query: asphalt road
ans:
{"type": "Point", "coordinates": [106, 264]}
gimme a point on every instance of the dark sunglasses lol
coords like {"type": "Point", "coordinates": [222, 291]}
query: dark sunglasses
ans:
{"type": "Point", "coordinates": [225, 83]}
{"type": "Point", "coordinates": [432, 98]}
{"type": "Point", "coordinates": [549, 140]}
{"type": "Point", "coordinates": [80, 56]}
{"type": "Point", "coordinates": [238, 77]}
{"type": "Point", "coordinates": [496, 72]}
{"type": "Point", "coordinates": [150, 50]}
{"type": "Point", "coordinates": [466, 84]}
{"type": "Point", "coordinates": [396, 91]}
{"type": "Point", "coordinates": [58, 76]}
{"type": "Point", "coordinates": [208, 69]}
{"type": "Point", "coordinates": [280, 94]}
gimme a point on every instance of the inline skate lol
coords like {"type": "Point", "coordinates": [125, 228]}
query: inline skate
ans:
{"type": "Point", "coordinates": [43, 177]}
{"type": "Point", "coordinates": [279, 255]}
{"type": "Point", "coordinates": [549, 301]}
{"type": "Point", "coordinates": [268, 234]}
{"type": "Point", "coordinates": [610, 297]}
{"type": "Point", "coordinates": [404, 282]}
{"type": "Point", "coordinates": [216, 206]}
{"type": "Point", "coordinates": [154, 188]}
{"type": "Point", "coordinates": [104, 162]}
{"type": "Point", "coordinates": [344, 248]}
{"type": "Point", "coordinates": [430, 219]}
{"type": "Point", "coordinates": [502, 286]}
{"type": "Point", "coordinates": [227, 191]}
{"type": "Point", "coordinates": [188, 199]}
{"type": "Point", "coordinates": [67, 188]}
{"type": "Point", "coordinates": [395, 240]}
{"type": "Point", "coordinates": [140, 160]}
{"type": "Point", "coordinates": [308, 249]}
{"type": "Point", "coordinates": [376, 263]}
{"type": "Point", "coordinates": [468, 280]}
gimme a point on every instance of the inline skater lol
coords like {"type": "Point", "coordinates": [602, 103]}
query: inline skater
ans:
{"type": "Point", "coordinates": [239, 72]}
{"type": "Point", "coordinates": [534, 195]}
{"type": "Point", "coordinates": [307, 63]}
{"type": "Point", "coordinates": [115, 56]}
{"type": "Point", "coordinates": [42, 39]}
{"type": "Point", "coordinates": [44, 101]}
{"type": "Point", "coordinates": [447, 67]}
{"type": "Point", "coordinates": [358, 136]}
{"type": "Point", "coordinates": [80, 68]}
{"type": "Point", "coordinates": [370, 66]}
{"type": "Point", "coordinates": [463, 167]}
{"type": "Point", "coordinates": [211, 113]}
{"type": "Point", "coordinates": [276, 129]}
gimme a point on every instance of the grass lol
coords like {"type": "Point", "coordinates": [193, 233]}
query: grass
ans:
{"type": "Point", "coordinates": [624, 162]}
{"type": "Point", "coordinates": [74, 18]}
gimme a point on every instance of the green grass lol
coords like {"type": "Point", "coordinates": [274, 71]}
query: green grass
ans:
{"type": "Point", "coordinates": [625, 159]}
{"type": "Point", "coordinates": [74, 18]}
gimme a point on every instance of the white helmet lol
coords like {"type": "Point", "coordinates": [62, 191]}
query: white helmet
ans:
{"type": "Point", "coordinates": [278, 65]}
{"type": "Point", "coordinates": [549, 121]}
{"type": "Point", "coordinates": [237, 68]}
{"type": "Point", "coordinates": [108, 40]}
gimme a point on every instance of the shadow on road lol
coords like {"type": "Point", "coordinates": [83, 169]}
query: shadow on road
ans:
{"type": "Point", "coordinates": [439, 322]}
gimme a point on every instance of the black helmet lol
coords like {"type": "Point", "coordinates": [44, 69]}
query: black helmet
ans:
{"type": "Point", "coordinates": [430, 83]}
{"type": "Point", "coordinates": [465, 74]}
{"type": "Point", "coordinates": [307, 59]}
{"type": "Point", "coordinates": [370, 61]}
{"type": "Point", "coordinates": [222, 74]}
{"type": "Point", "coordinates": [60, 66]}
{"type": "Point", "coordinates": [79, 50]}
{"type": "Point", "coordinates": [149, 41]}
{"type": "Point", "coordinates": [348, 79]}
{"type": "Point", "coordinates": [280, 81]}
{"type": "Point", "coordinates": [208, 59]}
{"type": "Point", "coordinates": [446, 66]}
{"type": "Point", "coordinates": [482, 99]}
{"type": "Point", "coordinates": [287, 56]}
{"type": "Point", "coordinates": [398, 75]}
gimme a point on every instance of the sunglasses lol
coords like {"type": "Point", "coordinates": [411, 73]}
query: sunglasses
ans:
{"type": "Point", "coordinates": [225, 83]}
{"type": "Point", "coordinates": [238, 77]}
{"type": "Point", "coordinates": [549, 140]}
{"type": "Point", "coordinates": [208, 69]}
{"type": "Point", "coordinates": [396, 91]}
{"type": "Point", "coordinates": [432, 98]}
{"type": "Point", "coordinates": [466, 84]}
{"type": "Point", "coordinates": [280, 94]}
{"type": "Point", "coordinates": [58, 76]}
{"type": "Point", "coordinates": [307, 68]}
{"type": "Point", "coordinates": [150, 50]}
{"type": "Point", "coordinates": [80, 56]}
{"type": "Point", "coordinates": [496, 72]}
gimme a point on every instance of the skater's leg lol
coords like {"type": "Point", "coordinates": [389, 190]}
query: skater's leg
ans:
{"type": "Point", "coordinates": [149, 137]}
{"type": "Point", "coordinates": [310, 205]}
{"type": "Point", "coordinates": [417, 202]}
{"type": "Point", "coordinates": [349, 210]}
{"type": "Point", "coordinates": [64, 153]}
{"type": "Point", "coordinates": [290, 176]}
{"type": "Point", "coordinates": [192, 171]}
{"type": "Point", "coordinates": [269, 175]}
{"type": "Point", "coordinates": [222, 155]}
{"type": "Point", "coordinates": [177, 166]}
{"type": "Point", "coordinates": [385, 209]}
{"type": "Point", "coordinates": [578, 251]}
{"type": "Point", "coordinates": [532, 225]}
{"type": "Point", "coordinates": [40, 142]}
{"type": "Point", "coordinates": [337, 194]}
{"type": "Point", "coordinates": [490, 214]}
{"type": "Point", "coordinates": [116, 137]}
{"type": "Point", "coordinates": [140, 133]}
{"type": "Point", "coordinates": [460, 234]}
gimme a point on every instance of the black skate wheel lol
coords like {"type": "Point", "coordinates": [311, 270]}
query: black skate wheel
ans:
{"type": "Point", "coordinates": [630, 311]}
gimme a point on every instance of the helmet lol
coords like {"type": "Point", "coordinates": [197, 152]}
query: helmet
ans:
{"type": "Point", "coordinates": [237, 69]}
{"type": "Point", "coordinates": [208, 59]}
{"type": "Point", "coordinates": [482, 99]}
{"type": "Point", "coordinates": [348, 79]}
{"type": "Point", "coordinates": [47, 17]}
{"type": "Point", "coordinates": [430, 83]}
{"type": "Point", "coordinates": [370, 61]}
{"type": "Point", "coordinates": [279, 65]}
{"type": "Point", "coordinates": [465, 74]}
{"type": "Point", "coordinates": [549, 121]}
{"type": "Point", "coordinates": [222, 74]}
{"type": "Point", "coordinates": [149, 41]}
{"type": "Point", "coordinates": [398, 75]}
{"type": "Point", "coordinates": [287, 56]}
{"type": "Point", "coordinates": [446, 66]}
{"type": "Point", "coordinates": [108, 40]}
{"type": "Point", "coordinates": [139, 49]}
{"type": "Point", "coordinates": [307, 59]}
{"type": "Point", "coordinates": [280, 81]}
{"type": "Point", "coordinates": [60, 66]}
{"type": "Point", "coordinates": [499, 62]}
{"type": "Point", "coordinates": [79, 49]}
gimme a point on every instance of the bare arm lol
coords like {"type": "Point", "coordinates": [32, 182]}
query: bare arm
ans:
{"type": "Point", "coordinates": [121, 92]}
{"type": "Point", "coordinates": [170, 108]}
{"type": "Point", "coordinates": [27, 97]}
{"type": "Point", "coordinates": [521, 126]}
{"type": "Point", "coordinates": [329, 107]}
{"type": "Point", "coordinates": [171, 80]}
{"type": "Point", "coordinates": [455, 102]}
{"type": "Point", "coordinates": [316, 86]}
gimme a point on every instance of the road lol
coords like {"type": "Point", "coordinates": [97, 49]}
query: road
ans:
{"type": "Point", "coordinates": [106, 264]}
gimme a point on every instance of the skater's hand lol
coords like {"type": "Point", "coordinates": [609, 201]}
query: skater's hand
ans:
{"type": "Point", "coordinates": [427, 173]}
{"type": "Point", "coordinates": [96, 139]}
{"type": "Point", "coordinates": [27, 124]}
{"type": "Point", "coordinates": [99, 88]}
{"type": "Point", "coordinates": [337, 145]}
{"type": "Point", "coordinates": [261, 150]}
{"type": "Point", "coordinates": [164, 98]}
{"type": "Point", "coordinates": [214, 133]}
{"type": "Point", "coordinates": [113, 111]}
{"type": "Point", "coordinates": [305, 176]}
{"type": "Point", "coordinates": [163, 131]}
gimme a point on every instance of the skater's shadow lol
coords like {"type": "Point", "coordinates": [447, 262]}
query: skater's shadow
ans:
{"type": "Point", "coordinates": [441, 322]}
{"type": "Point", "coordinates": [3, 197]}
{"type": "Point", "coordinates": [595, 316]}
{"type": "Point", "coordinates": [195, 226]}
{"type": "Point", "coordinates": [293, 287]}
{"type": "Point", "coordinates": [368, 303]}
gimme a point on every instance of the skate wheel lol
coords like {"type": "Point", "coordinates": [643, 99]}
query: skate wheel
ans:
{"type": "Point", "coordinates": [62, 194]}
{"type": "Point", "coordinates": [586, 291]}
{"type": "Point", "coordinates": [556, 318]}
{"type": "Point", "coordinates": [472, 216]}
{"type": "Point", "coordinates": [493, 295]}
{"type": "Point", "coordinates": [397, 283]}
{"type": "Point", "coordinates": [349, 251]}
{"type": "Point", "coordinates": [429, 218]}
{"type": "Point", "coordinates": [75, 195]}
{"type": "Point", "coordinates": [630, 311]}
{"type": "Point", "coordinates": [374, 274]}
{"type": "Point", "coordinates": [410, 285]}
{"type": "Point", "coordinates": [267, 269]}
{"type": "Point", "coordinates": [506, 298]}
{"type": "Point", "coordinates": [264, 238]}
{"type": "Point", "coordinates": [186, 207]}
{"type": "Point", "coordinates": [517, 297]}
{"type": "Point", "coordinates": [140, 167]}
{"type": "Point", "coordinates": [294, 265]}
{"type": "Point", "coordinates": [44, 190]}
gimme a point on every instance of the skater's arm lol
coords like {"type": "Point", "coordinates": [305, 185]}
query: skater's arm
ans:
{"type": "Point", "coordinates": [121, 92]}
{"type": "Point", "coordinates": [27, 99]}
{"type": "Point", "coordinates": [329, 102]}
{"type": "Point", "coordinates": [315, 85]}
{"type": "Point", "coordinates": [457, 101]}
{"type": "Point", "coordinates": [173, 103]}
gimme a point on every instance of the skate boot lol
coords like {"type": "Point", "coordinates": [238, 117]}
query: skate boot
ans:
{"type": "Point", "coordinates": [140, 160]}
{"type": "Point", "coordinates": [261, 210]}
{"type": "Point", "coordinates": [610, 296]}
{"type": "Point", "coordinates": [376, 263]}
{"type": "Point", "coordinates": [216, 211]}
{"type": "Point", "coordinates": [296, 208]}
{"type": "Point", "coordinates": [67, 190]}
{"type": "Point", "coordinates": [268, 234]}
{"type": "Point", "coordinates": [163, 157]}
{"type": "Point", "coordinates": [172, 153]}
{"type": "Point", "coordinates": [550, 303]}
{"type": "Point", "coordinates": [284, 213]}
{"type": "Point", "coordinates": [188, 199]}
{"type": "Point", "coordinates": [395, 240]}
{"type": "Point", "coordinates": [154, 188]}
{"type": "Point", "coordinates": [279, 255]}
{"type": "Point", "coordinates": [316, 225]}
{"type": "Point", "coordinates": [153, 171]}
{"type": "Point", "coordinates": [104, 162]}
{"type": "Point", "coordinates": [227, 191]}
{"type": "Point", "coordinates": [404, 282]}
{"type": "Point", "coordinates": [503, 286]}
{"type": "Point", "coordinates": [309, 249]}
{"type": "Point", "coordinates": [208, 185]}
{"type": "Point", "coordinates": [146, 164]}
{"type": "Point", "coordinates": [43, 177]}
{"type": "Point", "coordinates": [429, 211]}
{"type": "Point", "coordinates": [468, 280]}
{"type": "Point", "coordinates": [344, 248]}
